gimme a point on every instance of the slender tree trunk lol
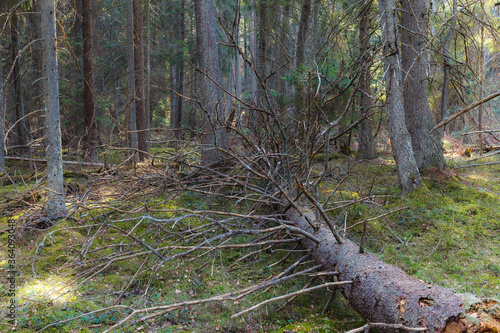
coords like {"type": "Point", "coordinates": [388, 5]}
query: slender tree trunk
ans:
{"type": "Point", "coordinates": [285, 27]}
{"type": "Point", "coordinates": [22, 128]}
{"type": "Point", "coordinates": [305, 17]}
{"type": "Point", "coordinates": [447, 64]}
{"type": "Point", "coordinates": [480, 71]}
{"type": "Point", "coordinates": [140, 111]}
{"type": "Point", "coordinates": [2, 114]}
{"type": "Point", "coordinates": [253, 50]}
{"type": "Point", "coordinates": [408, 173]}
{"type": "Point", "coordinates": [37, 86]}
{"type": "Point", "coordinates": [53, 152]}
{"type": "Point", "coordinates": [195, 78]}
{"type": "Point", "coordinates": [88, 91]}
{"type": "Point", "coordinates": [366, 147]}
{"type": "Point", "coordinates": [179, 110]}
{"type": "Point", "coordinates": [173, 96]}
{"type": "Point", "coordinates": [260, 61]}
{"type": "Point", "coordinates": [178, 77]}
{"type": "Point", "coordinates": [147, 87]}
{"type": "Point", "coordinates": [238, 79]}
{"type": "Point", "coordinates": [252, 116]}
{"type": "Point", "coordinates": [214, 134]}
{"type": "Point", "coordinates": [427, 146]}
{"type": "Point", "coordinates": [132, 137]}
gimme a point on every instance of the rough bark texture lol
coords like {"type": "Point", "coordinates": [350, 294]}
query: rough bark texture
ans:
{"type": "Point", "coordinates": [447, 64]}
{"type": "Point", "coordinates": [260, 60]}
{"type": "Point", "coordinates": [147, 72]}
{"type": "Point", "coordinates": [88, 91]}
{"type": "Point", "coordinates": [22, 129]}
{"type": "Point", "coordinates": [132, 125]}
{"type": "Point", "coordinates": [383, 293]}
{"type": "Point", "coordinates": [253, 78]}
{"type": "Point", "coordinates": [253, 47]}
{"type": "Point", "coordinates": [2, 114]}
{"type": "Point", "coordinates": [214, 134]}
{"type": "Point", "coordinates": [408, 173]}
{"type": "Point", "coordinates": [305, 17]}
{"type": "Point", "coordinates": [140, 110]}
{"type": "Point", "coordinates": [366, 147]}
{"type": "Point", "coordinates": [53, 152]}
{"type": "Point", "coordinates": [36, 85]}
{"type": "Point", "coordinates": [176, 113]}
{"type": "Point", "coordinates": [283, 41]}
{"type": "Point", "coordinates": [427, 147]}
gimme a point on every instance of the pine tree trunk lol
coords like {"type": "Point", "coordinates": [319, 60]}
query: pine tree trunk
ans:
{"type": "Point", "coordinates": [427, 146]}
{"type": "Point", "coordinates": [88, 91]}
{"type": "Point", "coordinates": [140, 110]}
{"type": "Point", "coordinates": [300, 101]}
{"type": "Point", "coordinates": [285, 27]}
{"type": "Point", "coordinates": [382, 293]}
{"type": "Point", "coordinates": [53, 153]}
{"type": "Point", "coordinates": [132, 125]}
{"type": "Point", "coordinates": [408, 173]}
{"type": "Point", "coordinates": [252, 116]}
{"type": "Point", "coordinates": [238, 79]}
{"type": "Point", "coordinates": [260, 61]}
{"type": "Point", "coordinates": [147, 70]}
{"type": "Point", "coordinates": [37, 86]}
{"type": "Point", "coordinates": [366, 148]}
{"type": "Point", "coordinates": [22, 129]}
{"type": "Point", "coordinates": [447, 65]}
{"type": "Point", "coordinates": [2, 113]}
{"type": "Point", "coordinates": [214, 133]}
{"type": "Point", "coordinates": [176, 114]}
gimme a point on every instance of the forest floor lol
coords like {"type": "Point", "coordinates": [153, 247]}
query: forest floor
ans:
{"type": "Point", "coordinates": [446, 233]}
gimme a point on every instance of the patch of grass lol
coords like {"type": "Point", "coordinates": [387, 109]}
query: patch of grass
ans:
{"type": "Point", "coordinates": [447, 235]}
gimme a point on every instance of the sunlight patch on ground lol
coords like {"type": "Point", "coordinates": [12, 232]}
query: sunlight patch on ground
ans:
{"type": "Point", "coordinates": [52, 288]}
{"type": "Point", "coordinates": [480, 177]}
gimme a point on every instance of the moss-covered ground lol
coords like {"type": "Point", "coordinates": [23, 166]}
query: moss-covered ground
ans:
{"type": "Point", "coordinates": [446, 233]}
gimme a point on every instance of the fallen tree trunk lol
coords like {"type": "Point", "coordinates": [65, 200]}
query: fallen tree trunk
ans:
{"type": "Point", "coordinates": [384, 293]}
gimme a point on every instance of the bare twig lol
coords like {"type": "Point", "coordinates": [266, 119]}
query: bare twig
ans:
{"type": "Point", "coordinates": [393, 326]}
{"type": "Point", "coordinates": [325, 285]}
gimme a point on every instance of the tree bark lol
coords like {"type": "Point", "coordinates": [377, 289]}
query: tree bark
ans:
{"type": "Point", "coordinates": [427, 147]}
{"type": "Point", "coordinates": [447, 64]}
{"type": "Point", "coordinates": [140, 111]}
{"type": "Point", "coordinates": [366, 147]}
{"type": "Point", "coordinates": [408, 173]}
{"type": "Point", "coordinates": [283, 41]}
{"type": "Point", "coordinates": [237, 78]}
{"type": "Point", "coordinates": [260, 60]}
{"type": "Point", "coordinates": [176, 113]}
{"type": "Point", "coordinates": [253, 78]}
{"type": "Point", "coordinates": [37, 86]}
{"type": "Point", "coordinates": [88, 91]}
{"type": "Point", "coordinates": [132, 125]}
{"type": "Point", "coordinates": [300, 52]}
{"type": "Point", "coordinates": [22, 128]}
{"type": "Point", "coordinates": [214, 134]}
{"type": "Point", "coordinates": [147, 84]}
{"type": "Point", "coordinates": [381, 292]}
{"type": "Point", "coordinates": [56, 206]}
{"type": "Point", "coordinates": [2, 113]}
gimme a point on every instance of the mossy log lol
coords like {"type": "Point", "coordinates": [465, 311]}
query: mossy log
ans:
{"type": "Point", "coordinates": [382, 293]}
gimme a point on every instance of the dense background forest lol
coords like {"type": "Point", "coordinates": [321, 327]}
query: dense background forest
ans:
{"type": "Point", "coordinates": [216, 165]}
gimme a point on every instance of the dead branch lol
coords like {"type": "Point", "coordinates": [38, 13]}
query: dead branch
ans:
{"type": "Point", "coordinates": [468, 108]}
{"type": "Point", "coordinates": [383, 325]}
{"type": "Point", "coordinates": [302, 291]}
